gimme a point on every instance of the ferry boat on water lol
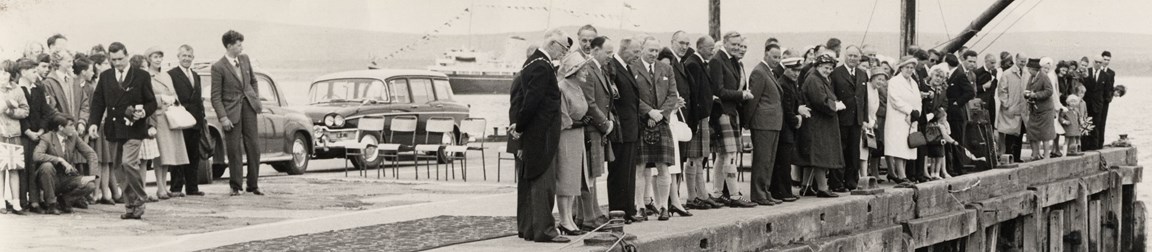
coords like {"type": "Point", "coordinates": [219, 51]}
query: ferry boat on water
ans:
{"type": "Point", "coordinates": [478, 72]}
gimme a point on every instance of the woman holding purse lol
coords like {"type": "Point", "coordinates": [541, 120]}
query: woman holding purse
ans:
{"type": "Point", "coordinates": [170, 141]}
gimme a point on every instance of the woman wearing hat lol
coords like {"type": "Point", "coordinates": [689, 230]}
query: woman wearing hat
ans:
{"type": "Point", "coordinates": [169, 141]}
{"type": "Point", "coordinates": [818, 144]}
{"type": "Point", "coordinates": [877, 112]}
{"type": "Point", "coordinates": [1041, 128]}
{"type": "Point", "coordinates": [571, 173]}
{"type": "Point", "coordinates": [902, 109]}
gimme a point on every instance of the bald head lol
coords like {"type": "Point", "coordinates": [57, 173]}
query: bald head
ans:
{"type": "Point", "coordinates": [705, 45]}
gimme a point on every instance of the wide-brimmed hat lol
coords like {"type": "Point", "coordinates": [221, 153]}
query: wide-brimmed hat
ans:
{"type": "Point", "coordinates": [825, 59]}
{"type": "Point", "coordinates": [1033, 63]}
{"type": "Point", "coordinates": [793, 62]}
{"type": "Point", "coordinates": [571, 64]}
{"type": "Point", "coordinates": [152, 50]}
{"type": "Point", "coordinates": [878, 71]}
{"type": "Point", "coordinates": [906, 60]}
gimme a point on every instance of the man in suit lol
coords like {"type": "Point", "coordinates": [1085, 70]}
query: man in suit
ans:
{"type": "Point", "coordinates": [764, 116]}
{"type": "Point", "coordinates": [698, 108]}
{"type": "Point", "coordinates": [538, 125]}
{"type": "Point", "coordinates": [56, 174]}
{"type": "Point", "coordinates": [792, 116]}
{"type": "Point", "coordinates": [125, 95]}
{"type": "Point", "coordinates": [187, 85]}
{"type": "Point", "coordinates": [1099, 92]}
{"type": "Point", "coordinates": [599, 95]}
{"type": "Point", "coordinates": [849, 82]}
{"type": "Point", "coordinates": [960, 90]}
{"type": "Point", "coordinates": [729, 86]}
{"type": "Point", "coordinates": [658, 100]}
{"type": "Point", "coordinates": [236, 99]}
{"type": "Point", "coordinates": [622, 170]}
{"type": "Point", "coordinates": [986, 83]}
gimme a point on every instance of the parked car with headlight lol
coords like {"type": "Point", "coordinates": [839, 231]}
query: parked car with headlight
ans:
{"type": "Point", "coordinates": [337, 101]}
{"type": "Point", "coordinates": [285, 134]}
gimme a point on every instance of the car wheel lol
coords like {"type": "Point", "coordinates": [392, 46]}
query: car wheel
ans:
{"type": "Point", "coordinates": [300, 157]}
{"type": "Point", "coordinates": [371, 157]}
{"type": "Point", "coordinates": [452, 139]}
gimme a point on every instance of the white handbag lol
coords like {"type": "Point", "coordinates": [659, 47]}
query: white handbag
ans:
{"type": "Point", "coordinates": [680, 130]}
{"type": "Point", "coordinates": [179, 118]}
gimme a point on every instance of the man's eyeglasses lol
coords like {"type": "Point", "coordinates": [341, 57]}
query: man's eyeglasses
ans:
{"type": "Point", "coordinates": [562, 45]}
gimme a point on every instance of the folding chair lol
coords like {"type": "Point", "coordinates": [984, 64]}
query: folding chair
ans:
{"type": "Point", "coordinates": [475, 127]}
{"type": "Point", "coordinates": [400, 124]}
{"type": "Point", "coordinates": [365, 146]}
{"type": "Point", "coordinates": [442, 125]}
{"type": "Point", "coordinates": [500, 156]}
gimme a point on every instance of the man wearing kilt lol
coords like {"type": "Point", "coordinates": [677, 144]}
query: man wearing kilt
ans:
{"type": "Point", "coordinates": [658, 99]}
{"type": "Point", "coordinates": [698, 105]}
{"type": "Point", "coordinates": [727, 75]}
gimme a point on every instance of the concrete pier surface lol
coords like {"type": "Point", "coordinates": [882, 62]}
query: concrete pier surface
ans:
{"type": "Point", "coordinates": [941, 213]}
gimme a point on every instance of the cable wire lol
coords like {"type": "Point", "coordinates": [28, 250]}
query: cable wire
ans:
{"type": "Point", "coordinates": [1011, 25]}
{"type": "Point", "coordinates": [869, 26]}
{"type": "Point", "coordinates": [998, 22]}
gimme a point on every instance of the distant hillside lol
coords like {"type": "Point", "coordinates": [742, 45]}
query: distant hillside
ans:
{"type": "Point", "coordinates": [311, 51]}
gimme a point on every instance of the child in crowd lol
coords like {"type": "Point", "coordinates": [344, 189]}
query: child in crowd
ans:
{"type": "Point", "coordinates": [1071, 119]}
{"type": "Point", "coordinates": [936, 150]}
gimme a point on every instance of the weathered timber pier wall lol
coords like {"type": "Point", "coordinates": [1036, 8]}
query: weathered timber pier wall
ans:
{"type": "Point", "coordinates": [1084, 203]}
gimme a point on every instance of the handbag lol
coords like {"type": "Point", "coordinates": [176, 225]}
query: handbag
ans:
{"type": "Point", "coordinates": [680, 130]}
{"type": "Point", "coordinates": [207, 146]}
{"type": "Point", "coordinates": [870, 139]}
{"type": "Point", "coordinates": [179, 118]}
{"type": "Point", "coordinates": [149, 149]}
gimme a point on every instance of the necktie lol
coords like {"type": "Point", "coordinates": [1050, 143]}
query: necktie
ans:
{"type": "Point", "coordinates": [26, 93]}
{"type": "Point", "coordinates": [651, 73]}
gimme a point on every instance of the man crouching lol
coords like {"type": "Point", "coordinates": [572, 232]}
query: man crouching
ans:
{"type": "Point", "coordinates": [55, 176]}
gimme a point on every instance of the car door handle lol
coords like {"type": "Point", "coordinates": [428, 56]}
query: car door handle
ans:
{"type": "Point", "coordinates": [439, 105]}
{"type": "Point", "coordinates": [415, 106]}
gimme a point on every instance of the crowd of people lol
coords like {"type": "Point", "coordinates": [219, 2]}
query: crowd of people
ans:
{"type": "Point", "coordinates": [827, 119]}
{"type": "Point", "coordinates": [91, 124]}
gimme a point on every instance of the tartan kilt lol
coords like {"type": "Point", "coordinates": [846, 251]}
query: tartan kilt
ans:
{"type": "Point", "coordinates": [701, 143]}
{"type": "Point", "coordinates": [727, 135]}
{"type": "Point", "coordinates": [664, 151]}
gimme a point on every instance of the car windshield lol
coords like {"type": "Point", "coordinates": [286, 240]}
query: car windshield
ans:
{"type": "Point", "coordinates": [348, 90]}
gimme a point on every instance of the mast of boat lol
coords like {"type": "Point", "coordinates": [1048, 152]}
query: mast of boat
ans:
{"type": "Point", "coordinates": [471, 11]}
{"type": "Point", "coordinates": [981, 21]}
{"type": "Point", "coordinates": [908, 25]}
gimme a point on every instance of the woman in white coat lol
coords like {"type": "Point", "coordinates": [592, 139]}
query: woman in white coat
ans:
{"type": "Point", "coordinates": [903, 102]}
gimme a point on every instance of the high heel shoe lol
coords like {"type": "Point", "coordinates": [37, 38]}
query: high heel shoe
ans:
{"type": "Point", "coordinates": [664, 215]}
{"type": "Point", "coordinates": [681, 212]}
{"type": "Point", "coordinates": [11, 209]}
{"type": "Point", "coordinates": [570, 232]}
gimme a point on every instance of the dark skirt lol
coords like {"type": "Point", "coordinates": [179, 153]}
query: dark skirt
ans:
{"type": "Point", "coordinates": [933, 150]}
{"type": "Point", "coordinates": [659, 149]}
{"type": "Point", "coordinates": [727, 135]}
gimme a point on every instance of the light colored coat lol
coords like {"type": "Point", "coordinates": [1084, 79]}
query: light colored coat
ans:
{"type": "Point", "coordinates": [903, 98]}
{"type": "Point", "coordinates": [1013, 106]}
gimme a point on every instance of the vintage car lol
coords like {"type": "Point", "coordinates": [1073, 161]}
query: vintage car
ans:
{"type": "Point", "coordinates": [285, 134]}
{"type": "Point", "coordinates": [337, 101]}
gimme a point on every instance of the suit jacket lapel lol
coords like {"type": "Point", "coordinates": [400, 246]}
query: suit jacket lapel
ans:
{"type": "Point", "coordinates": [231, 69]}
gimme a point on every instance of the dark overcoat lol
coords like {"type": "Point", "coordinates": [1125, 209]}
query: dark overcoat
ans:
{"type": "Point", "coordinates": [818, 141]}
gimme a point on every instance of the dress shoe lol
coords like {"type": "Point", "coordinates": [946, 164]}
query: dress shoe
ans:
{"type": "Point", "coordinates": [196, 193]}
{"type": "Point", "coordinates": [640, 217]}
{"type": "Point", "coordinates": [256, 192]}
{"type": "Point", "coordinates": [701, 204]}
{"type": "Point", "coordinates": [66, 210]}
{"type": "Point", "coordinates": [129, 216]}
{"type": "Point", "coordinates": [36, 210]}
{"type": "Point", "coordinates": [840, 190]}
{"type": "Point", "coordinates": [12, 209]}
{"type": "Point", "coordinates": [105, 202]}
{"type": "Point", "coordinates": [162, 196]}
{"type": "Point", "coordinates": [236, 193]}
{"type": "Point", "coordinates": [51, 209]}
{"type": "Point", "coordinates": [810, 191]}
{"type": "Point", "coordinates": [826, 194]}
{"type": "Point", "coordinates": [681, 212]}
{"type": "Point", "coordinates": [177, 194]}
{"type": "Point", "coordinates": [691, 204]}
{"type": "Point", "coordinates": [764, 202]}
{"type": "Point", "coordinates": [717, 202]}
{"type": "Point", "coordinates": [119, 200]}
{"type": "Point", "coordinates": [789, 198]}
{"type": "Point", "coordinates": [571, 232]}
{"type": "Point", "coordinates": [81, 204]}
{"type": "Point", "coordinates": [651, 209]}
{"type": "Point", "coordinates": [557, 239]}
{"type": "Point", "coordinates": [664, 215]}
{"type": "Point", "coordinates": [740, 203]}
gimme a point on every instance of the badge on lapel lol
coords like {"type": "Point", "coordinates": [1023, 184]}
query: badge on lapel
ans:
{"type": "Point", "coordinates": [665, 78]}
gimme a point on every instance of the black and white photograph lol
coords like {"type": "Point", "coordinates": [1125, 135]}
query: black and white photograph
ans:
{"type": "Point", "coordinates": [594, 125]}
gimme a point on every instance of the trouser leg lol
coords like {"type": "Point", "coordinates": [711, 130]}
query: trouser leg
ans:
{"type": "Point", "coordinates": [763, 158]}
{"type": "Point", "coordinates": [43, 190]}
{"type": "Point", "coordinates": [251, 145]}
{"type": "Point", "coordinates": [622, 178]}
{"type": "Point", "coordinates": [782, 171]}
{"type": "Point", "coordinates": [543, 201]}
{"type": "Point", "coordinates": [128, 173]}
{"type": "Point", "coordinates": [850, 147]}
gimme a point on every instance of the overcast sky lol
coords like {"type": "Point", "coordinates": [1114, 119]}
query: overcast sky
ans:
{"type": "Point", "coordinates": [33, 20]}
